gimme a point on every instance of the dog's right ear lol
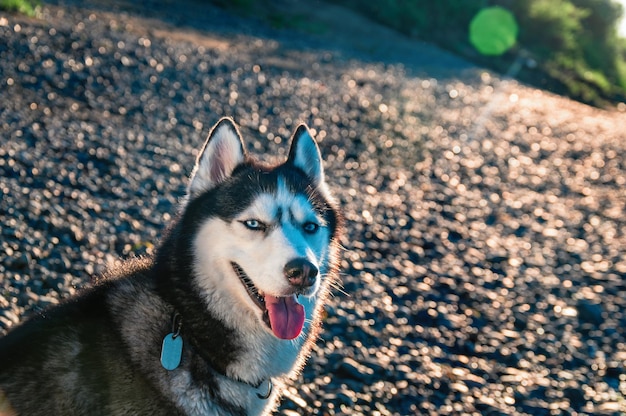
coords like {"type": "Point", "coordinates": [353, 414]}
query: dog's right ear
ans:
{"type": "Point", "coordinates": [221, 153]}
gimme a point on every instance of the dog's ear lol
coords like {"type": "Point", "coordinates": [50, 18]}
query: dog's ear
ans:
{"type": "Point", "coordinates": [221, 153]}
{"type": "Point", "coordinates": [305, 155]}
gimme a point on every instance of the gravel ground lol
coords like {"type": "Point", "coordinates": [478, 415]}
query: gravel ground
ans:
{"type": "Point", "coordinates": [485, 258]}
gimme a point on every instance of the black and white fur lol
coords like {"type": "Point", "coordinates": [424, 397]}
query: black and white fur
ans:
{"type": "Point", "coordinates": [247, 233]}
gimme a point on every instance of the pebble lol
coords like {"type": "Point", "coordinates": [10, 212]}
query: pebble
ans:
{"type": "Point", "coordinates": [484, 264]}
{"type": "Point", "coordinates": [352, 369]}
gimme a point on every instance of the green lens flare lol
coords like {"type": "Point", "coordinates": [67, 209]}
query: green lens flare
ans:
{"type": "Point", "coordinates": [493, 31]}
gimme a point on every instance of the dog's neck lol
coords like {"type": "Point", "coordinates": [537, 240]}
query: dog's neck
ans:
{"type": "Point", "coordinates": [177, 325]}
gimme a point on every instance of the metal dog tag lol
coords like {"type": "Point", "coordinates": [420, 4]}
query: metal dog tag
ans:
{"type": "Point", "coordinates": [171, 351]}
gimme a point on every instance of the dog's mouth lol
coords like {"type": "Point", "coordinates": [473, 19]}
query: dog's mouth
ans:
{"type": "Point", "coordinates": [284, 315]}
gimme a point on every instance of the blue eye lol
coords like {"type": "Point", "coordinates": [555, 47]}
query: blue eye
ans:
{"type": "Point", "coordinates": [310, 227]}
{"type": "Point", "coordinates": [254, 225]}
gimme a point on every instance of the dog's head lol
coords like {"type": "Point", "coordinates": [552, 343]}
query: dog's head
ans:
{"type": "Point", "coordinates": [263, 235]}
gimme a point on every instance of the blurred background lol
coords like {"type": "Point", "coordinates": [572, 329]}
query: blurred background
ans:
{"type": "Point", "coordinates": [571, 47]}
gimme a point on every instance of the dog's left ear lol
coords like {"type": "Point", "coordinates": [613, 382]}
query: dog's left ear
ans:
{"type": "Point", "coordinates": [222, 152]}
{"type": "Point", "coordinates": [305, 155]}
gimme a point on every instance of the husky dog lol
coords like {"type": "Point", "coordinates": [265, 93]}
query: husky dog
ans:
{"type": "Point", "coordinates": [216, 322]}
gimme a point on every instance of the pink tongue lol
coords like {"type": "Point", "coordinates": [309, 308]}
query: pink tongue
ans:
{"type": "Point", "coordinates": [286, 316]}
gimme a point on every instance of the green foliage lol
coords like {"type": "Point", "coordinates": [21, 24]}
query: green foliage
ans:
{"type": "Point", "coordinates": [27, 7]}
{"type": "Point", "coordinates": [552, 25]}
{"type": "Point", "coordinates": [574, 42]}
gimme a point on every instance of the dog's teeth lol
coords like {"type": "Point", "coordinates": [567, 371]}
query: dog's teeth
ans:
{"type": "Point", "coordinates": [253, 291]}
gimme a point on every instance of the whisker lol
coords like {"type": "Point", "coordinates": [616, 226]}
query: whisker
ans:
{"type": "Point", "coordinates": [338, 286]}
{"type": "Point", "coordinates": [340, 290]}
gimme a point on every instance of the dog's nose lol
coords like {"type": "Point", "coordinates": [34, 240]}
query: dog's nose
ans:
{"type": "Point", "coordinates": [301, 273]}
